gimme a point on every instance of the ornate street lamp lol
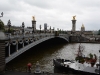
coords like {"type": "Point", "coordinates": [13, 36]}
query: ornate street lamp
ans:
{"type": "Point", "coordinates": [50, 29]}
{"type": "Point", "coordinates": [40, 28]}
{"type": "Point", "coordinates": [9, 25]}
{"type": "Point", "coordinates": [53, 29]}
{"type": "Point", "coordinates": [23, 27]}
{"type": "Point", "coordinates": [17, 42]}
{"type": "Point", "coordinates": [23, 32]}
{"type": "Point", "coordinates": [1, 14]}
{"type": "Point", "coordinates": [57, 29]}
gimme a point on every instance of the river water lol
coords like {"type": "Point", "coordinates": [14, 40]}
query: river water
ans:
{"type": "Point", "coordinates": [46, 54]}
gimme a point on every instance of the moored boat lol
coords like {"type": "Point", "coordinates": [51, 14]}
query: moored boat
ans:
{"type": "Point", "coordinates": [81, 64]}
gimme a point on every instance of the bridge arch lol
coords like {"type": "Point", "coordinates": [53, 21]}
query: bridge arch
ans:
{"type": "Point", "coordinates": [27, 47]}
{"type": "Point", "coordinates": [64, 38]}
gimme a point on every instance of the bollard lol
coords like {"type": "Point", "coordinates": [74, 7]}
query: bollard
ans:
{"type": "Point", "coordinates": [37, 69]}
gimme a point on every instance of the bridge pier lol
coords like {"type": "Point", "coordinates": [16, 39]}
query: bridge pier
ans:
{"type": "Point", "coordinates": [2, 55]}
{"type": "Point", "coordinates": [74, 39]}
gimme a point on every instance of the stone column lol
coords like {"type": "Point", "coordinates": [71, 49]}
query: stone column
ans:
{"type": "Point", "coordinates": [73, 25]}
{"type": "Point", "coordinates": [2, 55]}
{"type": "Point", "coordinates": [34, 25]}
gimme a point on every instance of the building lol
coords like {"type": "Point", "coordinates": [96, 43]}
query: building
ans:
{"type": "Point", "coordinates": [82, 28]}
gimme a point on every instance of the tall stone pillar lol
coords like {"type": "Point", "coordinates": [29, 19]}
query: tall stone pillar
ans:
{"type": "Point", "coordinates": [73, 25]}
{"type": "Point", "coordinates": [33, 25]}
{"type": "Point", "coordinates": [2, 52]}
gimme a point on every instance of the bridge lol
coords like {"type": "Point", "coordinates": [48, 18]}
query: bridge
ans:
{"type": "Point", "coordinates": [18, 44]}
{"type": "Point", "coordinates": [14, 45]}
{"type": "Point", "coordinates": [11, 46]}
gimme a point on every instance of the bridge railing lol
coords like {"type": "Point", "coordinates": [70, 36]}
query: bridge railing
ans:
{"type": "Point", "coordinates": [65, 35]}
{"type": "Point", "coordinates": [29, 35]}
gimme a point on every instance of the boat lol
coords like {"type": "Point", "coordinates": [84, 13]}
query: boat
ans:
{"type": "Point", "coordinates": [81, 65]}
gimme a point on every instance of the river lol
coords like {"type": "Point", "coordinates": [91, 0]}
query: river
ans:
{"type": "Point", "coordinates": [46, 54]}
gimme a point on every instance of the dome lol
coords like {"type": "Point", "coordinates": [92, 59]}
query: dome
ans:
{"type": "Point", "coordinates": [82, 25]}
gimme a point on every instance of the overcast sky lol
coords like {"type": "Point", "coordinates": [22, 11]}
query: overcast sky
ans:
{"type": "Point", "coordinates": [56, 13]}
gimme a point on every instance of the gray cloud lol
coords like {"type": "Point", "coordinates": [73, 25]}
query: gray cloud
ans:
{"type": "Point", "coordinates": [56, 13]}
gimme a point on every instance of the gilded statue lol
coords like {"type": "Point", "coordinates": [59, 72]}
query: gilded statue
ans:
{"type": "Point", "coordinates": [33, 18]}
{"type": "Point", "coordinates": [74, 17]}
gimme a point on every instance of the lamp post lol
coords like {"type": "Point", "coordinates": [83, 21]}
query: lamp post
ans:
{"type": "Point", "coordinates": [1, 14]}
{"type": "Point", "coordinates": [17, 42]}
{"type": "Point", "coordinates": [50, 29]}
{"type": "Point", "coordinates": [23, 32]}
{"type": "Point", "coordinates": [40, 28]}
{"type": "Point", "coordinates": [60, 31]}
{"type": "Point", "coordinates": [23, 27]}
{"type": "Point", "coordinates": [53, 29]}
{"type": "Point", "coordinates": [9, 25]}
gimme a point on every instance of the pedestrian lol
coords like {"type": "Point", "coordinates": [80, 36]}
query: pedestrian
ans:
{"type": "Point", "coordinates": [29, 65]}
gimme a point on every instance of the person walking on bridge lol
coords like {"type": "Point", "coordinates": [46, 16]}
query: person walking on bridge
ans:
{"type": "Point", "coordinates": [29, 65]}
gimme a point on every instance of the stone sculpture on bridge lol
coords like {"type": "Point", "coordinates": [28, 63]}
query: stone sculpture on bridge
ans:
{"type": "Point", "coordinates": [33, 18]}
{"type": "Point", "coordinates": [74, 17]}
